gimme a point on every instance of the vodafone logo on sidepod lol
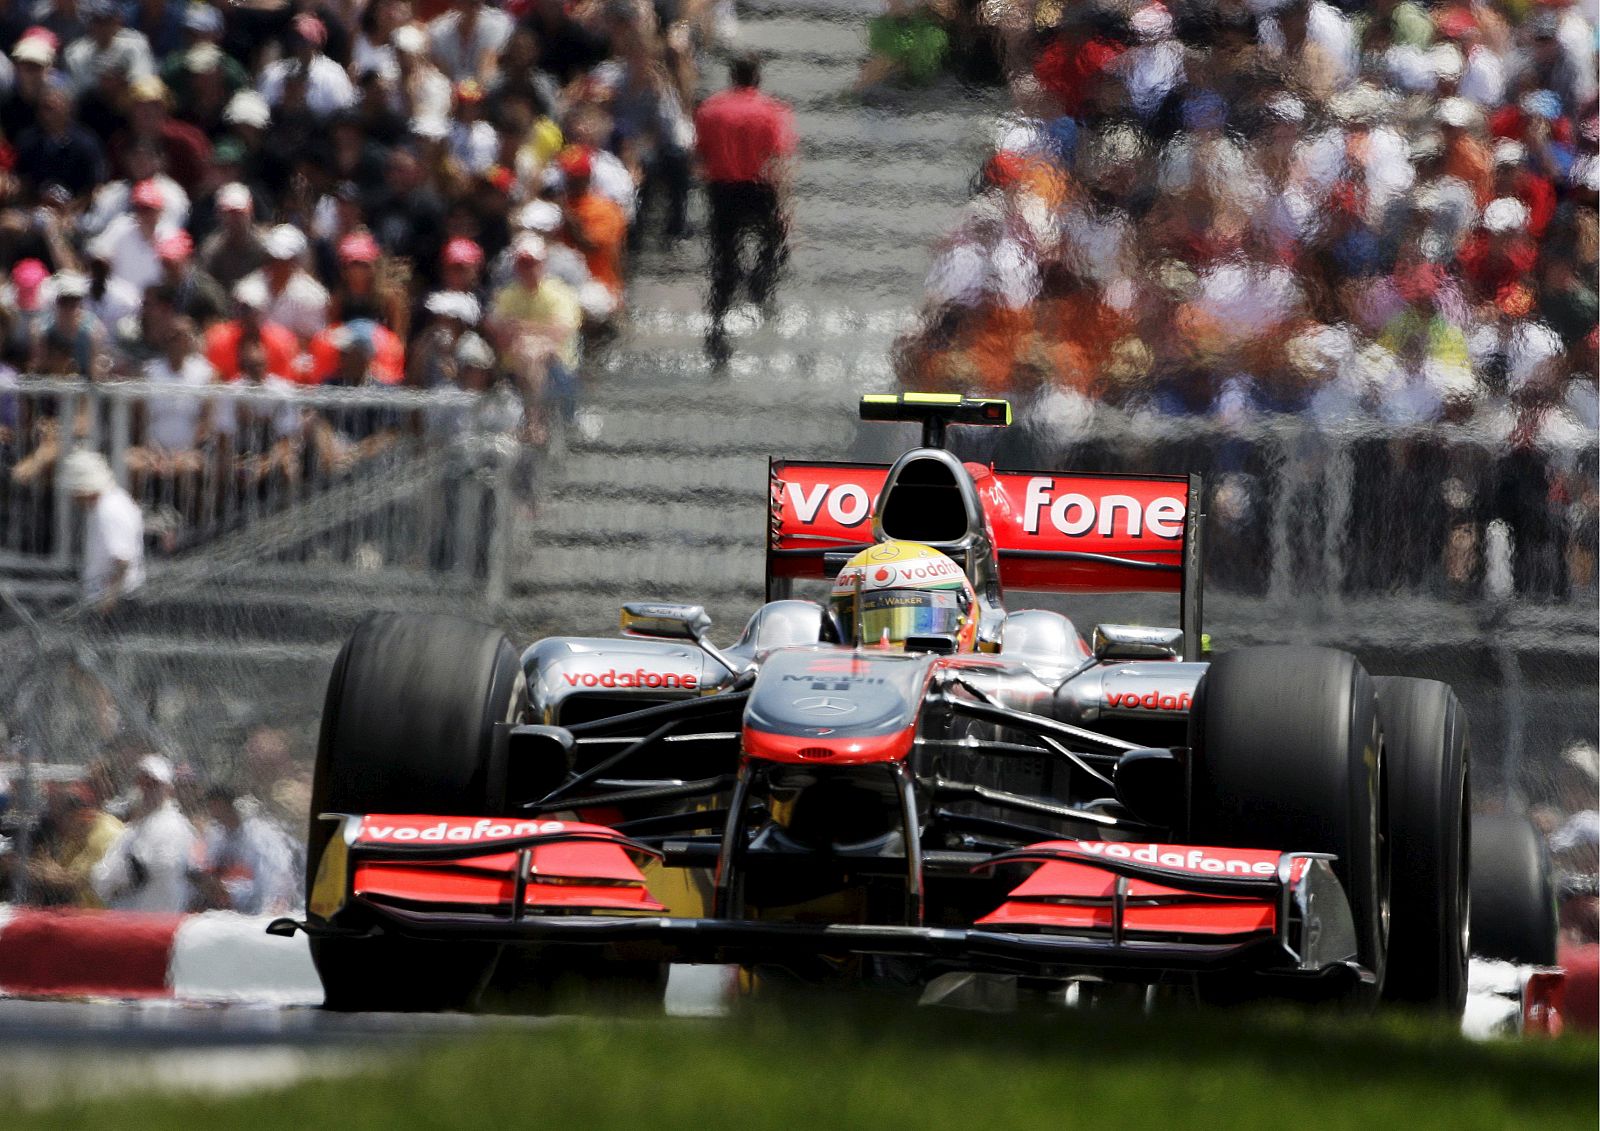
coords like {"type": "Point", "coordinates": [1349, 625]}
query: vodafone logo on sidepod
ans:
{"type": "Point", "coordinates": [1150, 700]}
{"type": "Point", "coordinates": [637, 678]}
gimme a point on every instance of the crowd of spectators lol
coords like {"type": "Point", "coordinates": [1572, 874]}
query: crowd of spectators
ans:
{"type": "Point", "coordinates": [422, 193]}
{"type": "Point", "coordinates": [135, 832]}
{"type": "Point", "coordinates": [1354, 214]}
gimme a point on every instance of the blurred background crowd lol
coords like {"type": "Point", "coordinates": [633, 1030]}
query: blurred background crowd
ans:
{"type": "Point", "coordinates": [134, 831]}
{"type": "Point", "coordinates": [277, 194]}
{"type": "Point", "coordinates": [1358, 219]}
{"type": "Point", "coordinates": [266, 222]}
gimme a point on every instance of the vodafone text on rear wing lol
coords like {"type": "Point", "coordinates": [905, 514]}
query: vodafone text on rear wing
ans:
{"type": "Point", "coordinates": [1066, 532]}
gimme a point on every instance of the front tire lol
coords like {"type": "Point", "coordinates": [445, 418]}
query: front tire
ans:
{"type": "Point", "coordinates": [1287, 753]}
{"type": "Point", "coordinates": [1425, 740]}
{"type": "Point", "coordinates": [408, 727]}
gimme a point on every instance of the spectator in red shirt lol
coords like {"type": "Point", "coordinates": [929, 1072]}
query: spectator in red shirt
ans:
{"type": "Point", "coordinates": [1501, 253]}
{"type": "Point", "coordinates": [187, 151]}
{"type": "Point", "coordinates": [742, 137]}
{"type": "Point", "coordinates": [1513, 178]}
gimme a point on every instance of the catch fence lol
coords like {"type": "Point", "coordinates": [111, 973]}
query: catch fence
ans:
{"type": "Point", "coordinates": [1466, 513]}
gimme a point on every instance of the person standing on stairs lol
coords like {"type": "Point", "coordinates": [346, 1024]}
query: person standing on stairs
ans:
{"type": "Point", "coordinates": [743, 139]}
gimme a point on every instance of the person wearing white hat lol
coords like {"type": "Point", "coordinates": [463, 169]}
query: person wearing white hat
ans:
{"type": "Point", "coordinates": [235, 248]}
{"type": "Point", "coordinates": [429, 361]}
{"type": "Point", "coordinates": [562, 261]}
{"type": "Point", "coordinates": [283, 288]}
{"type": "Point", "coordinates": [22, 80]}
{"type": "Point", "coordinates": [1456, 112]}
{"type": "Point", "coordinates": [113, 541]}
{"type": "Point", "coordinates": [1505, 215]}
{"type": "Point", "coordinates": [248, 109]}
{"type": "Point", "coordinates": [69, 322]}
{"type": "Point", "coordinates": [147, 867]}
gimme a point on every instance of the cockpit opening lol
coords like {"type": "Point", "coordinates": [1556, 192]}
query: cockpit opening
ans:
{"type": "Point", "coordinates": [924, 505]}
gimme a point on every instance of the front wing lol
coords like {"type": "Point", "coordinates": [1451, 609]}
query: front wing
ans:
{"type": "Point", "coordinates": [1135, 911]}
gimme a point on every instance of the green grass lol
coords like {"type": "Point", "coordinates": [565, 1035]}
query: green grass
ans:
{"type": "Point", "coordinates": [925, 1071]}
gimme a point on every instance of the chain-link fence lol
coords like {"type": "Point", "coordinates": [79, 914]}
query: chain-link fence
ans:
{"type": "Point", "coordinates": [1297, 509]}
{"type": "Point", "coordinates": [274, 518]}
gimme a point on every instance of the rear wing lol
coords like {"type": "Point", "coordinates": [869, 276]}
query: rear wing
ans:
{"type": "Point", "coordinates": [1066, 532]}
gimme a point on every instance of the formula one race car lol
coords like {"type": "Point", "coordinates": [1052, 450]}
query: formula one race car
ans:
{"type": "Point", "coordinates": [901, 784]}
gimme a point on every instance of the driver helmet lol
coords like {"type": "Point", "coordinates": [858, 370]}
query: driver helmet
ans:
{"type": "Point", "coordinates": [894, 590]}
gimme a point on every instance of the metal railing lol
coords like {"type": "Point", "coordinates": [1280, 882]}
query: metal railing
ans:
{"type": "Point", "coordinates": [380, 480]}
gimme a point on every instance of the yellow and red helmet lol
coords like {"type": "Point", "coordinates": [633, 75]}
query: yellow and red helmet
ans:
{"type": "Point", "coordinates": [895, 590]}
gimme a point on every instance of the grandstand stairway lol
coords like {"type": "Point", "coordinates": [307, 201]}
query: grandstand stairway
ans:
{"type": "Point", "coordinates": [662, 490]}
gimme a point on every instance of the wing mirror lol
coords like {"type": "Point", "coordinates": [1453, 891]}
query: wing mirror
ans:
{"type": "Point", "coordinates": [664, 622]}
{"type": "Point", "coordinates": [675, 622]}
{"type": "Point", "coordinates": [1136, 642]}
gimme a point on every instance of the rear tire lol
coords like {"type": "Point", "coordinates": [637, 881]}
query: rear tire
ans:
{"type": "Point", "coordinates": [407, 727]}
{"type": "Point", "coordinates": [1287, 754]}
{"type": "Point", "coordinates": [1425, 741]}
{"type": "Point", "coordinates": [1513, 893]}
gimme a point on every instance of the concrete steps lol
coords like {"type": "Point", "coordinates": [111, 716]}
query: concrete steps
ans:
{"type": "Point", "coordinates": [662, 492]}
{"type": "Point", "coordinates": [783, 36]}
{"type": "Point", "coordinates": [622, 430]}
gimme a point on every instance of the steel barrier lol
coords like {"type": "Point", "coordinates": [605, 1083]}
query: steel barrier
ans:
{"type": "Point", "coordinates": [380, 479]}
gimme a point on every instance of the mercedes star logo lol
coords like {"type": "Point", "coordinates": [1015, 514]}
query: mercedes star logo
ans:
{"type": "Point", "coordinates": [825, 705]}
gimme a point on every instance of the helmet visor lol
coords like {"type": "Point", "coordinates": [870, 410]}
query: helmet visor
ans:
{"type": "Point", "coordinates": [901, 613]}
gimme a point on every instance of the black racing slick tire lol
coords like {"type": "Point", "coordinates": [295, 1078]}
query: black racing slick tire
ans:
{"type": "Point", "coordinates": [1286, 753]}
{"type": "Point", "coordinates": [1425, 742]}
{"type": "Point", "coordinates": [408, 727]}
{"type": "Point", "coordinates": [1514, 916]}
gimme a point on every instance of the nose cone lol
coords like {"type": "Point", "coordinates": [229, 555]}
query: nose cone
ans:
{"type": "Point", "coordinates": [828, 705]}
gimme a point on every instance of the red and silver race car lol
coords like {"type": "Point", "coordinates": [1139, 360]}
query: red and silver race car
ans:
{"type": "Point", "coordinates": [980, 794]}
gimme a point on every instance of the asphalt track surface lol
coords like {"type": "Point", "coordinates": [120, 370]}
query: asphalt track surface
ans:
{"type": "Point", "coordinates": [177, 1025]}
